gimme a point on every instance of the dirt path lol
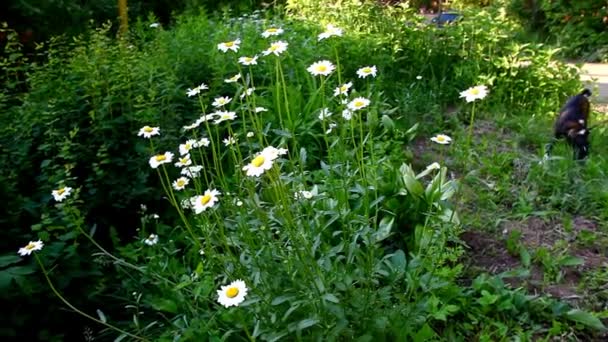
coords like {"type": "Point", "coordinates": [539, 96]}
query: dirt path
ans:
{"type": "Point", "coordinates": [596, 74]}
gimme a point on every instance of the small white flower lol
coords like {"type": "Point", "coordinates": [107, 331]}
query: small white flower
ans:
{"type": "Point", "coordinates": [201, 252]}
{"type": "Point", "coordinates": [231, 45]}
{"type": "Point", "coordinates": [233, 79]}
{"type": "Point", "coordinates": [221, 101]}
{"type": "Point", "coordinates": [442, 139]}
{"type": "Point", "coordinates": [249, 60]}
{"type": "Point", "coordinates": [358, 103]}
{"type": "Point", "coordinates": [347, 114]}
{"type": "Point", "coordinates": [151, 240]}
{"type": "Point", "coordinates": [273, 31]}
{"type": "Point", "coordinates": [203, 142]}
{"type": "Point", "coordinates": [224, 116]}
{"type": "Point", "coordinates": [233, 294]}
{"type": "Point", "coordinates": [159, 159]}
{"type": "Point", "coordinates": [344, 101]}
{"type": "Point", "coordinates": [154, 25]}
{"type": "Point", "coordinates": [196, 90]}
{"type": "Point", "coordinates": [186, 204]}
{"type": "Point", "coordinates": [343, 89]}
{"type": "Point", "coordinates": [276, 48]}
{"type": "Point", "coordinates": [260, 109]}
{"type": "Point", "coordinates": [31, 247]}
{"type": "Point", "coordinates": [180, 183]}
{"type": "Point", "coordinates": [192, 171]}
{"type": "Point", "coordinates": [183, 161]}
{"type": "Point", "coordinates": [247, 92]}
{"type": "Point", "coordinates": [250, 134]}
{"type": "Point", "coordinates": [204, 202]}
{"type": "Point", "coordinates": [229, 141]}
{"type": "Point", "coordinates": [324, 114]}
{"type": "Point", "coordinates": [366, 71]}
{"type": "Point", "coordinates": [330, 30]}
{"type": "Point", "coordinates": [61, 193]}
{"type": "Point", "coordinates": [239, 203]}
{"type": "Point", "coordinates": [331, 127]}
{"type": "Point", "coordinates": [303, 194]}
{"type": "Point", "coordinates": [187, 146]}
{"type": "Point", "coordinates": [474, 93]}
{"type": "Point", "coordinates": [148, 132]}
{"type": "Point", "coordinates": [418, 77]}
{"type": "Point", "coordinates": [322, 68]}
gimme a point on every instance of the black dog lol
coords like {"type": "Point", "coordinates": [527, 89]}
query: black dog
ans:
{"type": "Point", "coordinates": [572, 125]}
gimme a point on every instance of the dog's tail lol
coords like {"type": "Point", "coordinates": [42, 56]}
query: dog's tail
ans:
{"type": "Point", "coordinates": [586, 92]}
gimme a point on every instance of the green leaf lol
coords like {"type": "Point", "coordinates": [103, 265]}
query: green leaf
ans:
{"type": "Point", "coordinates": [525, 256]}
{"type": "Point", "coordinates": [399, 261]}
{"type": "Point", "coordinates": [571, 261]}
{"type": "Point", "coordinates": [425, 334]}
{"type": "Point", "coordinates": [306, 323]}
{"type": "Point", "coordinates": [331, 298]}
{"type": "Point", "coordinates": [166, 305]}
{"type": "Point", "coordinates": [388, 123]}
{"type": "Point", "coordinates": [384, 228]}
{"type": "Point", "coordinates": [6, 260]}
{"type": "Point", "coordinates": [585, 318]}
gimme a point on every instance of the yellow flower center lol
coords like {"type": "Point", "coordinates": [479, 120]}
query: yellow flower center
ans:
{"type": "Point", "coordinates": [272, 30]}
{"type": "Point", "coordinates": [60, 192]}
{"type": "Point", "coordinates": [441, 138]}
{"type": "Point", "coordinates": [181, 182]}
{"type": "Point", "coordinates": [343, 88]}
{"type": "Point", "coordinates": [322, 68]}
{"type": "Point", "coordinates": [30, 246]}
{"type": "Point", "coordinates": [248, 59]}
{"type": "Point", "coordinates": [258, 161]}
{"type": "Point", "coordinates": [148, 129]}
{"type": "Point", "coordinates": [232, 292]}
{"type": "Point", "coordinates": [367, 70]}
{"type": "Point", "coordinates": [274, 47]}
{"type": "Point", "coordinates": [183, 160]}
{"type": "Point", "coordinates": [205, 199]}
{"type": "Point", "coordinates": [188, 146]}
{"type": "Point", "coordinates": [229, 44]}
{"type": "Point", "coordinates": [475, 91]}
{"type": "Point", "coordinates": [160, 158]}
{"type": "Point", "coordinates": [359, 104]}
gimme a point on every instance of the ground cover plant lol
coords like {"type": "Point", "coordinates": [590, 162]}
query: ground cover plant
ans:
{"type": "Point", "coordinates": [298, 178]}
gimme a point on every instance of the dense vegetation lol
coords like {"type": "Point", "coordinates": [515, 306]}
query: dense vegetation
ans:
{"type": "Point", "coordinates": [332, 204]}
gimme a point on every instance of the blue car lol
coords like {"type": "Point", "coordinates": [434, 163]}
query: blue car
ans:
{"type": "Point", "coordinates": [444, 18]}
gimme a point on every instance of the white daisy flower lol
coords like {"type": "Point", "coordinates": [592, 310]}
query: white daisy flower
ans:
{"type": "Point", "coordinates": [238, 203]}
{"type": "Point", "coordinates": [418, 77]}
{"type": "Point", "coordinates": [323, 68]}
{"type": "Point", "coordinates": [249, 60]}
{"type": "Point", "coordinates": [224, 116]}
{"type": "Point", "coordinates": [273, 31]}
{"type": "Point", "coordinates": [192, 171]}
{"type": "Point", "coordinates": [366, 71]}
{"type": "Point", "coordinates": [475, 93]}
{"type": "Point", "coordinates": [247, 92]}
{"type": "Point", "coordinates": [159, 159]}
{"type": "Point", "coordinates": [233, 79]}
{"type": "Point", "coordinates": [154, 25]}
{"type": "Point", "coordinates": [331, 127]}
{"type": "Point", "coordinates": [259, 164]}
{"type": "Point", "coordinates": [203, 142]}
{"type": "Point", "coordinates": [330, 30]}
{"type": "Point", "coordinates": [151, 240]}
{"type": "Point", "coordinates": [358, 103]}
{"type": "Point", "coordinates": [61, 193]}
{"type": "Point", "coordinates": [250, 134]}
{"type": "Point", "coordinates": [343, 89]}
{"type": "Point", "coordinates": [196, 90]}
{"type": "Point", "coordinates": [442, 139]}
{"type": "Point", "coordinates": [221, 101]}
{"type": "Point", "coordinates": [233, 294]}
{"type": "Point", "coordinates": [229, 141]}
{"type": "Point", "coordinates": [276, 48]}
{"type": "Point", "coordinates": [204, 202]}
{"type": "Point", "coordinates": [324, 114]}
{"type": "Point", "coordinates": [31, 247]}
{"type": "Point", "coordinates": [273, 152]}
{"type": "Point", "coordinates": [187, 146]}
{"type": "Point", "coordinates": [180, 183]}
{"type": "Point", "coordinates": [231, 45]}
{"type": "Point", "coordinates": [347, 114]}
{"type": "Point", "coordinates": [183, 161]}
{"type": "Point", "coordinates": [148, 132]}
